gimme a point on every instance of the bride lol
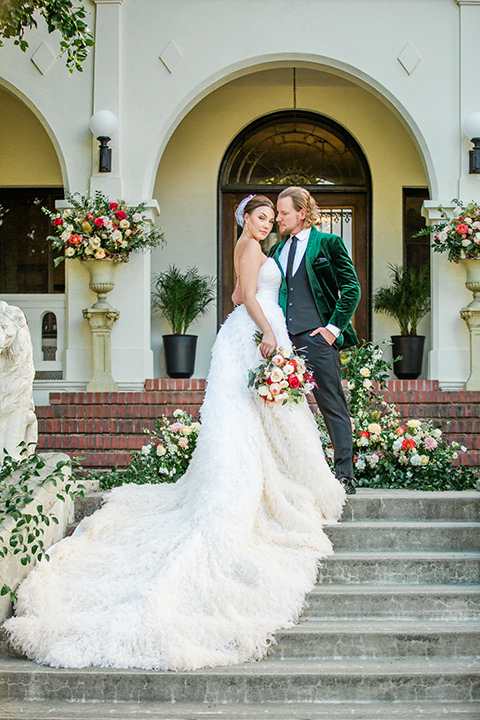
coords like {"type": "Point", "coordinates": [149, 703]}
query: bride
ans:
{"type": "Point", "coordinates": [202, 572]}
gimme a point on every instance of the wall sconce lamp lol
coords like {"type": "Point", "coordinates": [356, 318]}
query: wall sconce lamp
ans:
{"type": "Point", "coordinates": [103, 125]}
{"type": "Point", "coordinates": [471, 128]}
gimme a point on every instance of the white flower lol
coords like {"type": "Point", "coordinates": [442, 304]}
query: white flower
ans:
{"type": "Point", "coordinates": [468, 221]}
{"type": "Point", "coordinates": [195, 426]}
{"type": "Point", "coordinates": [329, 452]}
{"type": "Point", "coordinates": [89, 250]}
{"type": "Point", "coordinates": [413, 424]}
{"type": "Point", "coordinates": [178, 413]}
{"type": "Point", "coordinates": [288, 369]}
{"type": "Point", "coordinates": [437, 433]}
{"type": "Point", "coordinates": [372, 460]}
{"type": "Point", "coordinates": [365, 371]}
{"type": "Point", "coordinates": [263, 391]}
{"type": "Point", "coordinates": [146, 449]}
{"type": "Point", "coordinates": [117, 235]}
{"type": "Point", "coordinates": [457, 212]}
{"type": "Point", "coordinates": [100, 254]}
{"type": "Point", "coordinates": [160, 450]}
{"type": "Point", "coordinates": [136, 217]}
{"type": "Point", "coordinates": [65, 235]}
{"type": "Point", "coordinates": [374, 428]}
{"type": "Point", "coordinates": [416, 459]}
{"type": "Point", "coordinates": [283, 384]}
{"type": "Point", "coordinates": [163, 471]}
{"type": "Point", "coordinates": [69, 229]}
{"type": "Point", "coordinates": [477, 236]}
{"type": "Point", "coordinates": [69, 252]}
{"type": "Point", "coordinates": [124, 224]}
{"type": "Point", "coordinates": [107, 223]}
{"type": "Point", "coordinates": [367, 384]}
{"type": "Point", "coordinates": [361, 442]}
{"type": "Point", "coordinates": [67, 213]}
{"type": "Point", "coordinates": [476, 225]}
{"type": "Point", "coordinates": [280, 398]}
{"type": "Point", "coordinates": [467, 242]}
{"type": "Point", "coordinates": [350, 384]}
{"type": "Point", "coordinates": [360, 464]}
{"type": "Point", "coordinates": [94, 243]}
{"type": "Point", "coordinates": [397, 445]}
{"type": "Point", "coordinates": [277, 375]}
{"type": "Point", "coordinates": [442, 235]}
{"type": "Point", "coordinates": [424, 459]}
{"type": "Point", "coordinates": [455, 455]}
{"type": "Point", "coordinates": [124, 243]}
{"type": "Point", "coordinates": [463, 448]}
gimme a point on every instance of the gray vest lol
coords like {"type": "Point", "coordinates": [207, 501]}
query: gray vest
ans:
{"type": "Point", "coordinates": [302, 313]}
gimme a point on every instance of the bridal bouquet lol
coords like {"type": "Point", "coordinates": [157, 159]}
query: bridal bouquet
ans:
{"type": "Point", "coordinates": [281, 377]}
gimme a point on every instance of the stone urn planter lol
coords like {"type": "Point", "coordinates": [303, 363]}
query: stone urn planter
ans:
{"type": "Point", "coordinates": [472, 283]}
{"type": "Point", "coordinates": [102, 274]}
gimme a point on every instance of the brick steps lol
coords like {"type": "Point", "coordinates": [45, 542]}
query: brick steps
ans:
{"type": "Point", "coordinates": [103, 428]}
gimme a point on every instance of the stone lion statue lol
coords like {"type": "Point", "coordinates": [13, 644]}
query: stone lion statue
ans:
{"type": "Point", "coordinates": [17, 412]}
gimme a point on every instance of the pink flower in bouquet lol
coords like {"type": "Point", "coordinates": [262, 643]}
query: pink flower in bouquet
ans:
{"type": "Point", "coordinates": [430, 443]}
{"type": "Point", "coordinates": [120, 215]}
{"type": "Point", "coordinates": [75, 239]}
{"type": "Point", "coordinates": [400, 430]}
{"type": "Point", "coordinates": [183, 443]}
{"type": "Point", "coordinates": [408, 444]}
{"type": "Point", "coordinates": [176, 427]}
{"type": "Point", "coordinates": [276, 375]}
{"type": "Point", "coordinates": [275, 388]}
{"type": "Point", "coordinates": [278, 360]}
{"type": "Point", "coordinates": [462, 229]}
{"type": "Point", "coordinates": [99, 222]}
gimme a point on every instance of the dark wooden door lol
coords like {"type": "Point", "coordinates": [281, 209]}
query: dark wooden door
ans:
{"type": "Point", "coordinates": [343, 213]}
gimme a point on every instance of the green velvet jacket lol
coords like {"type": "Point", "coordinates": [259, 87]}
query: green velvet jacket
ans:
{"type": "Point", "coordinates": [333, 281]}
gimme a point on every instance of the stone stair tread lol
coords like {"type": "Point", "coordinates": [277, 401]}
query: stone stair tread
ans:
{"type": "Point", "coordinates": [350, 667]}
{"type": "Point", "coordinates": [308, 626]}
{"type": "Point", "coordinates": [410, 524]}
{"type": "Point", "coordinates": [58, 710]}
{"type": "Point", "coordinates": [340, 589]}
{"type": "Point", "coordinates": [403, 554]}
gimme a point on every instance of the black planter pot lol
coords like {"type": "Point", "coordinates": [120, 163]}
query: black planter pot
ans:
{"type": "Point", "coordinates": [180, 355]}
{"type": "Point", "coordinates": [410, 347]}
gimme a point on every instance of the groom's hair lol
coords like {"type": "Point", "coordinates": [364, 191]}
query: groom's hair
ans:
{"type": "Point", "coordinates": [302, 200]}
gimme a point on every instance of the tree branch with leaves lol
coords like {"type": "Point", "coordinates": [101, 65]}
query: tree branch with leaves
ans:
{"type": "Point", "coordinates": [16, 16]}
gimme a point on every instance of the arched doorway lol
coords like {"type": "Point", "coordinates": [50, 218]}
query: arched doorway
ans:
{"type": "Point", "coordinates": [307, 149]}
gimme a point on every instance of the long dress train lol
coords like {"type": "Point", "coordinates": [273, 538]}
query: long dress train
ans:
{"type": "Point", "coordinates": [204, 571]}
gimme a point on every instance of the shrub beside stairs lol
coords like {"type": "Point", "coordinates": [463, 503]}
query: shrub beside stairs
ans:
{"type": "Point", "coordinates": [392, 631]}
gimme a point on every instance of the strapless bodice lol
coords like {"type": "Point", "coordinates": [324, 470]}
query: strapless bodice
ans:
{"type": "Point", "coordinates": [269, 279]}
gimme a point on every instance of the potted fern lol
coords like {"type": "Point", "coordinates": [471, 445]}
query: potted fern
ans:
{"type": "Point", "coordinates": [181, 297]}
{"type": "Point", "coordinates": [407, 300]}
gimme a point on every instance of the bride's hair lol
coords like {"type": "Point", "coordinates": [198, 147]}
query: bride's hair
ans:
{"type": "Point", "coordinates": [302, 200]}
{"type": "Point", "coordinates": [256, 202]}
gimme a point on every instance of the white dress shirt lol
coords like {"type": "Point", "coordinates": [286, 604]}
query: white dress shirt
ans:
{"type": "Point", "coordinates": [302, 242]}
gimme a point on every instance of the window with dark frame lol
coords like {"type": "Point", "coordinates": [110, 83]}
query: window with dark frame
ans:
{"type": "Point", "coordinates": [26, 258]}
{"type": "Point", "coordinates": [416, 250]}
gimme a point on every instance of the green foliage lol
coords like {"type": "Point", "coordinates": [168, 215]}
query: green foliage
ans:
{"type": "Point", "coordinates": [390, 452]}
{"type": "Point", "coordinates": [182, 297]}
{"type": "Point", "coordinates": [164, 459]}
{"type": "Point", "coordinates": [18, 481]}
{"type": "Point", "coordinates": [406, 299]}
{"type": "Point", "coordinates": [63, 15]}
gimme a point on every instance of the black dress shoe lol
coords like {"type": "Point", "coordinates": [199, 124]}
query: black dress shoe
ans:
{"type": "Point", "coordinates": [349, 485]}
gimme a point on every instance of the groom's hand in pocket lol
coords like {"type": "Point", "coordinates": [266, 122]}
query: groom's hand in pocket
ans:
{"type": "Point", "coordinates": [329, 336]}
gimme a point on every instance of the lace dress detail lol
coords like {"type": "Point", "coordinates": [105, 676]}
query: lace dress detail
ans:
{"type": "Point", "coordinates": [202, 572]}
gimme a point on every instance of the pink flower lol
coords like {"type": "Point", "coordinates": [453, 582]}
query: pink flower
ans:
{"type": "Point", "coordinates": [99, 222]}
{"type": "Point", "coordinates": [278, 360]}
{"type": "Point", "coordinates": [113, 206]}
{"type": "Point", "coordinates": [430, 443]}
{"type": "Point", "coordinates": [462, 229]}
{"type": "Point", "coordinates": [275, 388]}
{"type": "Point", "coordinates": [57, 222]}
{"type": "Point", "coordinates": [177, 427]}
{"type": "Point", "coordinates": [183, 443]}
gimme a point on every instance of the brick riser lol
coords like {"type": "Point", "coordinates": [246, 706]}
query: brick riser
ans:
{"type": "Point", "coordinates": [103, 428]}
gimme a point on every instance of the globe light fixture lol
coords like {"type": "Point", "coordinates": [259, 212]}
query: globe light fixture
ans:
{"type": "Point", "coordinates": [471, 128]}
{"type": "Point", "coordinates": [103, 125]}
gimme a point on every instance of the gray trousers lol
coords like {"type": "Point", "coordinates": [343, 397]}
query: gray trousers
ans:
{"type": "Point", "coordinates": [324, 360]}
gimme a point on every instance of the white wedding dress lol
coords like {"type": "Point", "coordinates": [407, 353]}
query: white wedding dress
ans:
{"type": "Point", "coordinates": [204, 571]}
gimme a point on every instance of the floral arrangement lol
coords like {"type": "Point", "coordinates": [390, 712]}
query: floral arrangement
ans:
{"type": "Point", "coordinates": [96, 228]}
{"type": "Point", "coordinates": [281, 377]}
{"type": "Point", "coordinates": [164, 458]}
{"type": "Point", "coordinates": [390, 452]}
{"type": "Point", "coordinates": [459, 236]}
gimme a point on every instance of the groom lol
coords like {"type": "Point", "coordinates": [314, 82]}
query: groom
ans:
{"type": "Point", "coordinates": [319, 294]}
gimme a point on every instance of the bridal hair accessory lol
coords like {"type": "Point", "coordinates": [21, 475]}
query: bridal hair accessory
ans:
{"type": "Point", "coordinates": [240, 211]}
{"type": "Point", "coordinates": [282, 377]}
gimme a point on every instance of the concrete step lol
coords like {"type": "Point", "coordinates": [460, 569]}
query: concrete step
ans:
{"type": "Point", "coordinates": [317, 640]}
{"type": "Point", "coordinates": [58, 710]}
{"type": "Point", "coordinates": [372, 505]}
{"type": "Point", "coordinates": [269, 681]}
{"type": "Point", "coordinates": [400, 567]}
{"type": "Point", "coordinates": [403, 535]}
{"type": "Point", "coordinates": [409, 602]}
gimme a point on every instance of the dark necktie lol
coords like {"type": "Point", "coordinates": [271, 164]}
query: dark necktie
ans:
{"type": "Point", "coordinates": [291, 257]}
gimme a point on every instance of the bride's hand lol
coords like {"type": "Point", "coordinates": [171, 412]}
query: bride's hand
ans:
{"type": "Point", "coordinates": [268, 344]}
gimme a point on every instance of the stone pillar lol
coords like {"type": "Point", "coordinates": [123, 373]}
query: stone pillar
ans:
{"type": "Point", "coordinates": [472, 318]}
{"type": "Point", "coordinates": [101, 323]}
